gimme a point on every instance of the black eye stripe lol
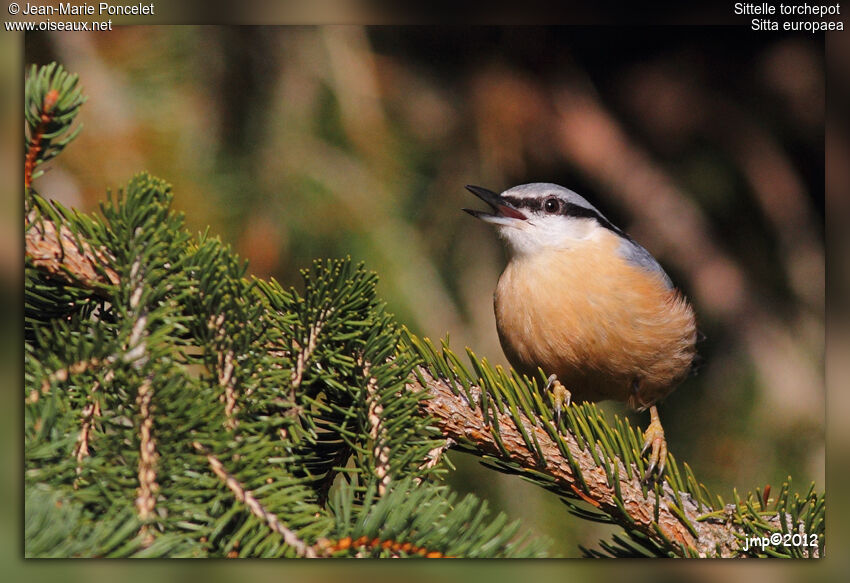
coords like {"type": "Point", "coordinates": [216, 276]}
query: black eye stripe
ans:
{"type": "Point", "coordinates": [574, 210]}
{"type": "Point", "coordinates": [532, 204]}
{"type": "Point", "coordinates": [582, 212]}
{"type": "Point", "coordinates": [568, 209]}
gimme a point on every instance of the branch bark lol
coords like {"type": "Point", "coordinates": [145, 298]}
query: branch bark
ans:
{"type": "Point", "coordinates": [58, 253]}
{"type": "Point", "coordinates": [464, 423]}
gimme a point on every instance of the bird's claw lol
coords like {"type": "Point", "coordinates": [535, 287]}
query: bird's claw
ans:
{"type": "Point", "coordinates": [560, 396]}
{"type": "Point", "coordinates": [655, 442]}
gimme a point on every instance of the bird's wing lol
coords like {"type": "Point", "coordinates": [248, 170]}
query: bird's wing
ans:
{"type": "Point", "coordinates": [637, 255]}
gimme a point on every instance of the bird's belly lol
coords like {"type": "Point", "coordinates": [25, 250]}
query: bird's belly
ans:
{"type": "Point", "coordinates": [608, 329]}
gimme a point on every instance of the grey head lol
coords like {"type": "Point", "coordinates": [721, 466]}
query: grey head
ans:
{"type": "Point", "coordinates": [541, 214]}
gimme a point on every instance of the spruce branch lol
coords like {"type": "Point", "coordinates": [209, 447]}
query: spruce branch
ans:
{"type": "Point", "coordinates": [585, 460]}
{"type": "Point", "coordinates": [146, 492]}
{"type": "Point", "coordinates": [59, 253]}
{"type": "Point", "coordinates": [391, 509]}
{"type": "Point", "coordinates": [52, 101]}
{"type": "Point", "coordinates": [90, 412]}
{"type": "Point", "coordinates": [304, 355]}
{"type": "Point", "coordinates": [502, 418]}
{"type": "Point", "coordinates": [464, 422]}
{"type": "Point", "coordinates": [59, 526]}
{"type": "Point", "coordinates": [374, 413]}
{"type": "Point", "coordinates": [425, 520]}
{"type": "Point", "coordinates": [246, 496]}
{"type": "Point", "coordinates": [227, 380]}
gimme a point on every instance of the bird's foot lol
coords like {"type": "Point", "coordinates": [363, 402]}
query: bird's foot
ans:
{"type": "Point", "coordinates": [653, 440]}
{"type": "Point", "coordinates": [560, 396]}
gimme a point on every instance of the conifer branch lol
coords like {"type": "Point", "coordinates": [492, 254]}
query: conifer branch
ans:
{"type": "Point", "coordinates": [146, 492]}
{"type": "Point", "coordinates": [35, 146]}
{"type": "Point", "coordinates": [226, 371]}
{"type": "Point", "coordinates": [374, 415]}
{"type": "Point", "coordinates": [671, 519]}
{"type": "Point", "coordinates": [63, 374]}
{"type": "Point", "coordinates": [81, 449]}
{"type": "Point", "coordinates": [129, 301]}
{"type": "Point", "coordinates": [257, 509]}
{"type": "Point", "coordinates": [90, 413]}
{"type": "Point", "coordinates": [52, 101]}
{"type": "Point", "coordinates": [60, 254]}
{"type": "Point", "coordinates": [226, 380]}
{"type": "Point", "coordinates": [304, 355]}
{"type": "Point", "coordinates": [463, 421]}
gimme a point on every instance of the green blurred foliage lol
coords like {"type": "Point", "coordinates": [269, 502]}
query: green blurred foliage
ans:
{"type": "Point", "coordinates": [302, 142]}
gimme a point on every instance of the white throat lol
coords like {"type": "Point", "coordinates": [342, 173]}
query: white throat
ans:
{"type": "Point", "coordinates": [555, 233]}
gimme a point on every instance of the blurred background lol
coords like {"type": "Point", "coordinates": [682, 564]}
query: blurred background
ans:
{"type": "Point", "coordinates": [704, 144]}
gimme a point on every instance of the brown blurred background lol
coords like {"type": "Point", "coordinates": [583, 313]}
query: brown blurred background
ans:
{"type": "Point", "coordinates": [706, 145]}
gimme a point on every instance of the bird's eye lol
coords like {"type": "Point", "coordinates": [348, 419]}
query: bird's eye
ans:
{"type": "Point", "coordinates": [552, 205]}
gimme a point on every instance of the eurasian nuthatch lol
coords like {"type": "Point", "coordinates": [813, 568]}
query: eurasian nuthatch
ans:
{"type": "Point", "coordinates": [588, 305]}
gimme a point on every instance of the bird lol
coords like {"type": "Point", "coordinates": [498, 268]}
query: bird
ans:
{"type": "Point", "coordinates": [583, 301]}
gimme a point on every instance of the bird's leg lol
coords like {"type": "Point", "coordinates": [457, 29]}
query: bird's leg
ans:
{"type": "Point", "coordinates": [654, 438]}
{"type": "Point", "coordinates": [560, 395]}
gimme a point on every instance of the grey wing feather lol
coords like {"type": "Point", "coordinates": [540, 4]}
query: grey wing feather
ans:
{"type": "Point", "coordinates": [637, 255]}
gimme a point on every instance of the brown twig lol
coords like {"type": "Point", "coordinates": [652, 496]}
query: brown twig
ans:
{"type": "Point", "coordinates": [60, 255]}
{"type": "Point", "coordinates": [326, 547]}
{"type": "Point", "coordinates": [50, 100]}
{"type": "Point", "coordinates": [304, 356]}
{"type": "Point", "coordinates": [227, 380]}
{"type": "Point", "coordinates": [146, 493]}
{"type": "Point", "coordinates": [90, 413]}
{"type": "Point", "coordinates": [434, 455]}
{"type": "Point", "coordinates": [243, 495]}
{"type": "Point", "coordinates": [226, 368]}
{"type": "Point", "coordinates": [380, 451]}
{"type": "Point", "coordinates": [463, 422]}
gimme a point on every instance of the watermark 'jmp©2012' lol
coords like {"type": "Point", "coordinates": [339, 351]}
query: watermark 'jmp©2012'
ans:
{"type": "Point", "coordinates": [780, 539]}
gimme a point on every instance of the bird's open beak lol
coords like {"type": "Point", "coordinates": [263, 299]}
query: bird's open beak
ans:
{"type": "Point", "coordinates": [503, 213]}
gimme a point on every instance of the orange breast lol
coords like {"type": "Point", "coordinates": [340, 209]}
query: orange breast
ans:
{"type": "Point", "coordinates": [607, 328]}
